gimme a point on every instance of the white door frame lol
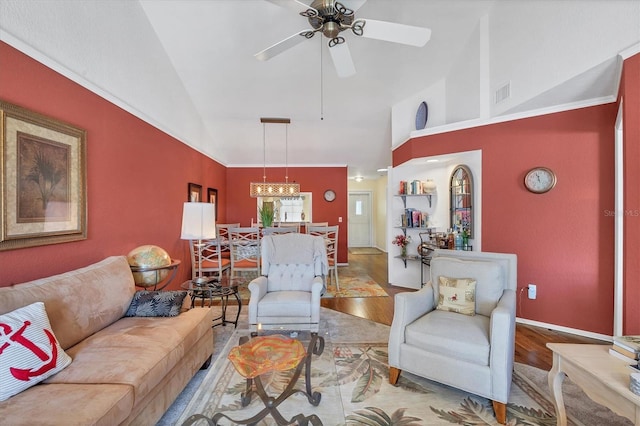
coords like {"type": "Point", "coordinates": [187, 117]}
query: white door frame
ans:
{"type": "Point", "coordinates": [618, 269]}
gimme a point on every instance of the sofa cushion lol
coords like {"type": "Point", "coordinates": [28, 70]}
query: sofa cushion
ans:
{"type": "Point", "coordinates": [490, 281]}
{"type": "Point", "coordinates": [457, 295]}
{"type": "Point", "coordinates": [138, 351]}
{"type": "Point", "coordinates": [78, 302]}
{"type": "Point", "coordinates": [285, 304]}
{"type": "Point", "coordinates": [452, 335]}
{"type": "Point", "coordinates": [156, 303]}
{"type": "Point", "coordinates": [69, 405]}
{"type": "Point", "coordinates": [29, 349]}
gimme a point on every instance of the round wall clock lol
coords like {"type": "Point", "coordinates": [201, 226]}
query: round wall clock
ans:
{"type": "Point", "coordinates": [329, 195]}
{"type": "Point", "coordinates": [422, 115]}
{"type": "Point", "coordinates": [540, 180]}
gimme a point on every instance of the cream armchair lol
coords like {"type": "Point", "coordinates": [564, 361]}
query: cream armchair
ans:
{"type": "Point", "coordinates": [473, 352]}
{"type": "Point", "coordinates": [288, 292]}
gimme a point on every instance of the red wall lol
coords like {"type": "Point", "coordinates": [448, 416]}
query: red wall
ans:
{"type": "Point", "coordinates": [242, 208]}
{"type": "Point", "coordinates": [630, 93]}
{"type": "Point", "coordinates": [137, 176]}
{"type": "Point", "coordinates": [563, 239]}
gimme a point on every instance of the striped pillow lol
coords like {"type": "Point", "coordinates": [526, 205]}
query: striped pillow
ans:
{"type": "Point", "coordinates": [29, 352]}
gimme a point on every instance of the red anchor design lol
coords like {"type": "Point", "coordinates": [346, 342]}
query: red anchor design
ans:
{"type": "Point", "coordinates": [49, 360]}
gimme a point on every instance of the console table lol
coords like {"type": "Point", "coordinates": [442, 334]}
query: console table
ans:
{"type": "Point", "coordinates": [604, 378]}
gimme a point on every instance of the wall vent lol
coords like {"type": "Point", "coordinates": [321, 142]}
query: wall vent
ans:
{"type": "Point", "coordinates": [503, 92]}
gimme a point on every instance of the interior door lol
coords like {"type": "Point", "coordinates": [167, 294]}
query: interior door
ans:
{"type": "Point", "coordinates": [360, 219]}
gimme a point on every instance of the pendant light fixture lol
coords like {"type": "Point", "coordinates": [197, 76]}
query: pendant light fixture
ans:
{"type": "Point", "coordinates": [274, 189]}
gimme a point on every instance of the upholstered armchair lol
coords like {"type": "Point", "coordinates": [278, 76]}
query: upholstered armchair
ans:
{"type": "Point", "coordinates": [288, 292]}
{"type": "Point", "coordinates": [456, 332]}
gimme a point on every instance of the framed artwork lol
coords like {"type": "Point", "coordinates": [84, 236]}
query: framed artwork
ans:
{"type": "Point", "coordinates": [212, 197]}
{"type": "Point", "coordinates": [194, 193]}
{"type": "Point", "coordinates": [44, 198]}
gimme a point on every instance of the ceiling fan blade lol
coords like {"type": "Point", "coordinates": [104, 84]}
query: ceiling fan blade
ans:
{"type": "Point", "coordinates": [342, 60]}
{"type": "Point", "coordinates": [396, 33]}
{"type": "Point", "coordinates": [293, 5]}
{"type": "Point", "coordinates": [281, 46]}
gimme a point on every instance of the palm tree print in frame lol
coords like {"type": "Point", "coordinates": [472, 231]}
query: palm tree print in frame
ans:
{"type": "Point", "coordinates": [43, 184]}
{"type": "Point", "coordinates": [43, 179]}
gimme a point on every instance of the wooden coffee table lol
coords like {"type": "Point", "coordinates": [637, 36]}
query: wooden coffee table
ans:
{"type": "Point", "coordinates": [604, 378]}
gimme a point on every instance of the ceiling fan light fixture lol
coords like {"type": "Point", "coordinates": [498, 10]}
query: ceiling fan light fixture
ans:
{"type": "Point", "coordinates": [331, 29]}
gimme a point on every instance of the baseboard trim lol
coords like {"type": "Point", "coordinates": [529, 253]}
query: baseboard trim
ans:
{"type": "Point", "coordinates": [563, 329]}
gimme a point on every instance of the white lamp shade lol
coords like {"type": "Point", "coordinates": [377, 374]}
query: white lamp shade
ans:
{"type": "Point", "coordinates": [198, 221]}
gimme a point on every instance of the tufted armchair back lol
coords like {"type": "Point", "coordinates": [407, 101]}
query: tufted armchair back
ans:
{"type": "Point", "coordinates": [294, 252]}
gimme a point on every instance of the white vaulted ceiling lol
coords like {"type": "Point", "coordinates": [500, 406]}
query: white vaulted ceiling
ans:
{"type": "Point", "coordinates": [187, 67]}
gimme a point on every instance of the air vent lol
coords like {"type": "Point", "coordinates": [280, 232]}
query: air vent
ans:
{"type": "Point", "coordinates": [503, 92]}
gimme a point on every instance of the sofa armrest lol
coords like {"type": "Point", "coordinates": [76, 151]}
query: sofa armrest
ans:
{"type": "Point", "coordinates": [258, 288]}
{"type": "Point", "coordinates": [316, 293]}
{"type": "Point", "coordinates": [502, 335]}
{"type": "Point", "coordinates": [408, 307]}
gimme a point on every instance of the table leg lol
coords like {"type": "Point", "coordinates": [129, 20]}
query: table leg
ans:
{"type": "Point", "coordinates": [555, 378]}
{"type": "Point", "coordinates": [237, 294]}
{"type": "Point", "coordinates": [316, 347]}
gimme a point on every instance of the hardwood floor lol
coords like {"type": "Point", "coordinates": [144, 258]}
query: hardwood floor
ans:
{"type": "Point", "coordinates": [530, 341]}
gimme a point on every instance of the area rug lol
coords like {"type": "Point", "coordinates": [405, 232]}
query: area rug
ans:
{"type": "Point", "coordinates": [365, 250]}
{"type": "Point", "coordinates": [352, 375]}
{"type": "Point", "coordinates": [351, 285]}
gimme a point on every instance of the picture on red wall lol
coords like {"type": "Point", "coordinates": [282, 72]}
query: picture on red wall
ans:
{"type": "Point", "coordinates": [212, 197]}
{"type": "Point", "coordinates": [194, 193]}
{"type": "Point", "coordinates": [43, 181]}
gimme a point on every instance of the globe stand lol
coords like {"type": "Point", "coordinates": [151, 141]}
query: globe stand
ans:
{"type": "Point", "coordinates": [160, 283]}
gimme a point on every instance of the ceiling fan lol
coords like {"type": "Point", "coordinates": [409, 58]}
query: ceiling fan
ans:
{"type": "Point", "coordinates": [331, 18]}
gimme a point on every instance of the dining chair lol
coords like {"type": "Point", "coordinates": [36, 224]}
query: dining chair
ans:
{"type": "Point", "coordinates": [222, 233]}
{"type": "Point", "coordinates": [330, 235]}
{"type": "Point", "coordinates": [294, 225]}
{"type": "Point", "coordinates": [270, 230]}
{"type": "Point", "coordinates": [312, 224]}
{"type": "Point", "coordinates": [244, 243]}
{"type": "Point", "coordinates": [208, 259]}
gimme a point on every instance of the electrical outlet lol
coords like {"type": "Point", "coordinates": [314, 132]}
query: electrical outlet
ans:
{"type": "Point", "coordinates": [340, 219]}
{"type": "Point", "coordinates": [532, 291]}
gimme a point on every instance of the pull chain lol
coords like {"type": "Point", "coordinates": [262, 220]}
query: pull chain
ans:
{"type": "Point", "coordinates": [321, 83]}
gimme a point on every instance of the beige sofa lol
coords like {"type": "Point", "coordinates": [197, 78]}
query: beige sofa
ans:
{"type": "Point", "coordinates": [125, 370]}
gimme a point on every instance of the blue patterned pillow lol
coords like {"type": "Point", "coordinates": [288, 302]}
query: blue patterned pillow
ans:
{"type": "Point", "coordinates": [156, 303]}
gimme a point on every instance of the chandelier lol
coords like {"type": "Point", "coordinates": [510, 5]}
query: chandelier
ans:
{"type": "Point", "coordinates": [274, 189]}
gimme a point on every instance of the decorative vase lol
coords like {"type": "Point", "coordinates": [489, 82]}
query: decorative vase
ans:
{"type": "Point", "coordinates": [403, 251]}
{"type": "Point", "coordinates": [429, 187]}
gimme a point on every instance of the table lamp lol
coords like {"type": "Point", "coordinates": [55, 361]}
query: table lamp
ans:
{"type": "Point", "coordinates": [198, 223]}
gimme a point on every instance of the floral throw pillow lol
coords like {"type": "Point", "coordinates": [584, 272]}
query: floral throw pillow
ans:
{"type": "Point", "coordinates": [156, 303]}
{"type": "Point", "coordinates": [457, 295]}
{"type": "Point", "coordinates": [29, 351]}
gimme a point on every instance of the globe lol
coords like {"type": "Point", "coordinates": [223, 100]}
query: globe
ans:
{"type": "Point", "coordinates": [149, 256]}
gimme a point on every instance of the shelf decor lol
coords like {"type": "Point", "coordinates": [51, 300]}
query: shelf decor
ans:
{"type": "Point", "coordinates": [402, 241]}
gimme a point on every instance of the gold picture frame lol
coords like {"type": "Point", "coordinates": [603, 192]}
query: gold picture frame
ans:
{"type": "Point", "coordinates": [43, 179]}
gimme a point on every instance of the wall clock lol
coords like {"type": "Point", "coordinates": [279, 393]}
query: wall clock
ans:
{"type": "Point", "coordinates": [329, 195]}
{"type": "Point", "coordinates": [540, 180]}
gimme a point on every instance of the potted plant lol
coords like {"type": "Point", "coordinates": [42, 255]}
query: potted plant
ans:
{"type": "Point", "coordinates": [266, 214]}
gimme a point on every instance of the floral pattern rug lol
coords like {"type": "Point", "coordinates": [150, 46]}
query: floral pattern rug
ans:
{"type": "Point", "coordinates": [351, 285]}
{"type": "Point", "coordinates": [352, 376]}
